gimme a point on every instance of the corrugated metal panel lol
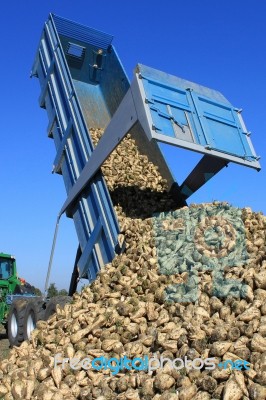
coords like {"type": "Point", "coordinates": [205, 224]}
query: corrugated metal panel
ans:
{"type": "Point", "coordinates": [82, 33]}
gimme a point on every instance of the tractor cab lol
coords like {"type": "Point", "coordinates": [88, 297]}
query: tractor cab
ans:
{"type": "Point", "coordinates": [8, 272]}
{"type": "Point", "coordinates": [11, 287]}
{"type": "Point", "coordinates": [8, 281]}
{"type": "Point", "coordinates": [6, 268]}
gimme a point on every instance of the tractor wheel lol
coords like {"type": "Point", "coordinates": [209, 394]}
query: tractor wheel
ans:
{"type": "Point", "coordinates": [33, 312]}
{"type": "Point", "coordinates": [53, 302]}
{"type": "Point", "coordinates": [15, 322]}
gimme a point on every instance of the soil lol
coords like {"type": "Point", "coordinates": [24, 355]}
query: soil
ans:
{"type": "Point", "coordinates": [4, 343]}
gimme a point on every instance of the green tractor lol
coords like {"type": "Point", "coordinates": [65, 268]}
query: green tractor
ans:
{"type": "Point", "coordinates": [20, 308]}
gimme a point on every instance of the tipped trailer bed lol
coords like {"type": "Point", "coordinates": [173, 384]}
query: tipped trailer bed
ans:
{"type": "Point", "coordinates": [84, 85]}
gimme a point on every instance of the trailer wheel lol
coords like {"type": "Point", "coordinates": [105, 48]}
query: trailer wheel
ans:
{"type": "Point", "coordinates": [34, 312]}
{"type": "Point", "coordinates": [15, 322]}
{"type": "Point", "coordinates": [51, 305]}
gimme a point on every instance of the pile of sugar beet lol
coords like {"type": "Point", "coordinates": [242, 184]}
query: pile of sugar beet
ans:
{"type": "Point", "coordinates": [125, 311]}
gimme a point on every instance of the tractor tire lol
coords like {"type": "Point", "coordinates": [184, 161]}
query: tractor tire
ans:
{"type": "Point", "coordinates": [53, 302]}
{"type": "Point", "coordinates": [34, 312]}
{"type": "Point", "coordinates": [15, 322]}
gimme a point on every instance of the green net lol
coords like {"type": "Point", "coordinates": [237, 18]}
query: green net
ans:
{"type": "Point", "coordinates": [201, 238]}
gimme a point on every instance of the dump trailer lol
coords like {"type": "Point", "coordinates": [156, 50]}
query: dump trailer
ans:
{"type": "Point", "coordinates": [84, 86]}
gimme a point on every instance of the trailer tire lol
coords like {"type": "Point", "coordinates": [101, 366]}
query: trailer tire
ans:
{"type": "Point", "coordinates": [15, 322]}
{"type": "Point", "coordinates": [34, 312]}
{"type": "Point", "coordinates": [51, 305]}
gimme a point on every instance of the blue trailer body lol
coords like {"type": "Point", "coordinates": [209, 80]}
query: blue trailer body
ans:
{"type": "Point", "coordinates": [83, 85]}
{"type": "Point", "coordinates": [188, 112]}
{"type": "Point", "coordinates": [67, 101]}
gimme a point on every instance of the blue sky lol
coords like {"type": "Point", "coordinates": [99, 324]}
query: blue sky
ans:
{"type": "Point", "coordinates": [219, 44]}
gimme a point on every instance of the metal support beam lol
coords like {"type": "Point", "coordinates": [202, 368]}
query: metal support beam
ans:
{"type": "Point", "coordinates": [51, 256]}
{"type": "Point", "coordinates": [206, 168]}
{"type": "Point", "coordinates": [51, 124]}
{"type": "Point", "coordinates": [45, 84]}
{"type": "Point", "coordinates": [84, 259]}
{"type": "Point", "coordinates": [60, 151]}
{"type": "Point", "coordinates": [75, 275]}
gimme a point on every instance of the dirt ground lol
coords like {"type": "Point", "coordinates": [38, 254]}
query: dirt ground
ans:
{"type": "Point", "coordinates": [4, 343]}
